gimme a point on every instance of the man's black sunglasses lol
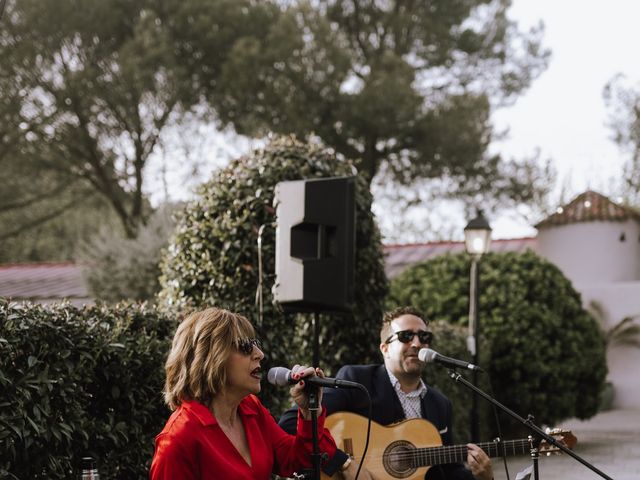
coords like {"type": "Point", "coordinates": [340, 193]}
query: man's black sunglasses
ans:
{"type": "Point", "coordinates": [405, 336]}
{"type": "Point", "coordinates": [245, 345]}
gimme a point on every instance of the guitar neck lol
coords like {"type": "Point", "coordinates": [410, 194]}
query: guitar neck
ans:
{"type": "Point", "coordinates": [458, 453]}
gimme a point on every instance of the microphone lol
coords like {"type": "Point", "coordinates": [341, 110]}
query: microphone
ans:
{"type": "Point", "coordinates": [427, 355]}
{"type": "Point", "coordinates": [281, 377]}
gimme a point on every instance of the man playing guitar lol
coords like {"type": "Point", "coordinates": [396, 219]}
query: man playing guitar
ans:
{"type": "Point", "coordinates": [398, 393]}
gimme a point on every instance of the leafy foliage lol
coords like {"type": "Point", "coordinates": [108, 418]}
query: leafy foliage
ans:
{"type": "Point", "coordinates": [90, 91]}
{"type": "Point", "coordinates": [450, 339]}
{"type": "Point", "coordinates": [406, 88]}
{"type": "Point", "coordinates": [93, 86]}
{"type": "Point", "coordinates": [624, 332]}
{"type": "Point", "coordinates": [118, 268]}
{"type": "Point", "coordinates": [51, 228]}
{"type": "Point", "coordinates": [623, 103]}
{"type": "Point", "coordinates": [544, 353]}
{"type": "Point", "coordinates": [213, 257]}
{"type": "Point", "coordinates": [80, 382]}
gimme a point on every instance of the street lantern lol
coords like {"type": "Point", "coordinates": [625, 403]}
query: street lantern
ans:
{"type": "Point", "coordinates": [477, 236]}
{"type": "Point", "coordinates": [477, 239]}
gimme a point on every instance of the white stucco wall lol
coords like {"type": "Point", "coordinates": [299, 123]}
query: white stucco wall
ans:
{"type": "Point", "coordinates": [592, 252]}
{"type": "Point", "coordinates": [618, 300]}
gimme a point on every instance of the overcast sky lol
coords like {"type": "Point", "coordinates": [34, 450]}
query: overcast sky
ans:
{"type": "Point", "coordinates": [563, 114]}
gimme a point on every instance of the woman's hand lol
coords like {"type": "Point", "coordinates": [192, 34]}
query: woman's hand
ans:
{"type": "Point", "coordinates": [298, 392]}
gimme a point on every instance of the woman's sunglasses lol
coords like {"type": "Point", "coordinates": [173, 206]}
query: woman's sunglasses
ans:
{"type": "Point", "coordinates": [405, 336]}
{"type": "Point", "coordinates": [245, 345]}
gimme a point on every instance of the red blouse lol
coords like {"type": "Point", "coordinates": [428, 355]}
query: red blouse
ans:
{"type": "Point", "coordinates": [193, 446]}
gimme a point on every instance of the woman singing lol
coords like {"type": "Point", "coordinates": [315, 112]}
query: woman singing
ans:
{"type": "Point", "coordinates": [219, 429]}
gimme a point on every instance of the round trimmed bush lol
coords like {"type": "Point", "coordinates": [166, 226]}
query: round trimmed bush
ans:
{"type": "Point", "coordinates": [213, 258]}
{"type": "Point", "coordinates": [543, 352]}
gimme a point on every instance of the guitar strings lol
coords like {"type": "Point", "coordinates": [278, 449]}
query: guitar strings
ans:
{"type": "Point", "coordinates": [442, 452]}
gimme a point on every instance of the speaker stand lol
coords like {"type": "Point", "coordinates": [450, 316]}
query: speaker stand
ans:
{"type": "Point", "coordinates": [316, 339]}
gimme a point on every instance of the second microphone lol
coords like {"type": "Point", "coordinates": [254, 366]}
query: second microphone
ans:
{"type": "Point", "coordinates": [427, 355]}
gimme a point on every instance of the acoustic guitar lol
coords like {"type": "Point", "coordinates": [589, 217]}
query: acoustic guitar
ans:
{"type": "Point", "coordinates": [409, 448]}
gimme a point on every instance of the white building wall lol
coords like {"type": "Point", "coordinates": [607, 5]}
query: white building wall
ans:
{"type": "Point", "coordinates": [618, 301]}
{"type": "Point", "coordinates": [593, 252]}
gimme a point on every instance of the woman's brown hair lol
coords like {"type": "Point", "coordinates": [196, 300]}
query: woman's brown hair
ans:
{"type": "Point", "coordinates": [196, 365]}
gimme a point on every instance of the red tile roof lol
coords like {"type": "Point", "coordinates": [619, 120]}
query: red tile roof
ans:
{"type": "Point", "coordinates": [43, 282]}
{"type": "Point", "coordinates": [399, 257]}
{"type": "Point", "coordinates": [589, 206]}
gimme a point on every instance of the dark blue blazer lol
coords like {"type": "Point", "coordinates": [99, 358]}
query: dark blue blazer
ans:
{"type": "Point", "coordinates": [386, 409]}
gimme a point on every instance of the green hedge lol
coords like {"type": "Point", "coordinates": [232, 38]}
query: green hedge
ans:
{"type": "Point", "coordinates": [543, 352]}
{"type": "Point", "coordinates": [80, 382]}
{"type": "Point", "coordinates": [450, 340]}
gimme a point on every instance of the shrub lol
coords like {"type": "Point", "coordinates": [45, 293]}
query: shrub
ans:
{"type": "Point", "coordinates": [213, 257]}
{"type": "Point", "coordinates": [80, 382]}
{"type": "Point", "coordinates": [544, 353]}
{"type": "Point", "coordinates": [119, 268]}
{"type": "Point", "coordinates": [450, 338]}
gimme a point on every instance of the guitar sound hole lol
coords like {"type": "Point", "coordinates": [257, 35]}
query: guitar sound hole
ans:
{"type": "Point", "coordinates": [398, 459]}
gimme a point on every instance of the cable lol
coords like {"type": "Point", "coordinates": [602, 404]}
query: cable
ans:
{"type": "Point", "coordinates": [258, 301]}
{"type": "Point", "coordinates": [366, 443]}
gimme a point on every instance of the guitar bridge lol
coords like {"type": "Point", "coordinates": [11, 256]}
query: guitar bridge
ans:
{"type": "Point", "coordinates": [348, 446]}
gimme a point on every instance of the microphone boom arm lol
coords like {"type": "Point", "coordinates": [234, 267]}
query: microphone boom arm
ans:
{"type": "Point", "coordinates": [526, 422]}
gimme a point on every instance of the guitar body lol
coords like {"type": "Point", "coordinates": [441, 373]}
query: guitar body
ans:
{"type": "Point", "coordinates": [391, 448]}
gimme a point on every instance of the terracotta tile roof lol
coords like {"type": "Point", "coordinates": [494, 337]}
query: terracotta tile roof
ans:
{"type": "Point", "coordinates": [589, 206]}
{"type": "Point", "coordinates": [43, 282]}
{"type": "Point", "coordinates": [399, 257]}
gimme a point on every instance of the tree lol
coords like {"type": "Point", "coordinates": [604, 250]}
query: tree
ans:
{"type": "Point", "coordinates": [27, 200]}
{"type": "Point", "coordinates": [51, 229]}
{"type": "Point", "coordinates": [118, 268]}
{"type": "Point", "coordinates": [88, 89]}
{"type": "Point", "coordinates": [213, 258]}
{"type": "Point", "coordinates": [404, 88]}
{"type": "Point", "coordinates": [543, 353]}
{"type": "Point", "coordinates": [623, 102]}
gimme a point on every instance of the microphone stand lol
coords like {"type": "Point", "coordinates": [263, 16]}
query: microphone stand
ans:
{"type": "Point", "coordinates": [535, 455]}
{"type": "Point", "coordinates": [316, 455]}
{"type": "Point", "coordinates": [314, 408]}
{"type": "Point", "coordinates": [528, 422]}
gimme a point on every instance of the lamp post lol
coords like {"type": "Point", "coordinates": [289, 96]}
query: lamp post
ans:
{"type": "Point", "coordinates": [477, 239]}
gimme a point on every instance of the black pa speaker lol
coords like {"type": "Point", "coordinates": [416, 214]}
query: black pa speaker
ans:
{"type": "Point", "coordinates": [315, 244]}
